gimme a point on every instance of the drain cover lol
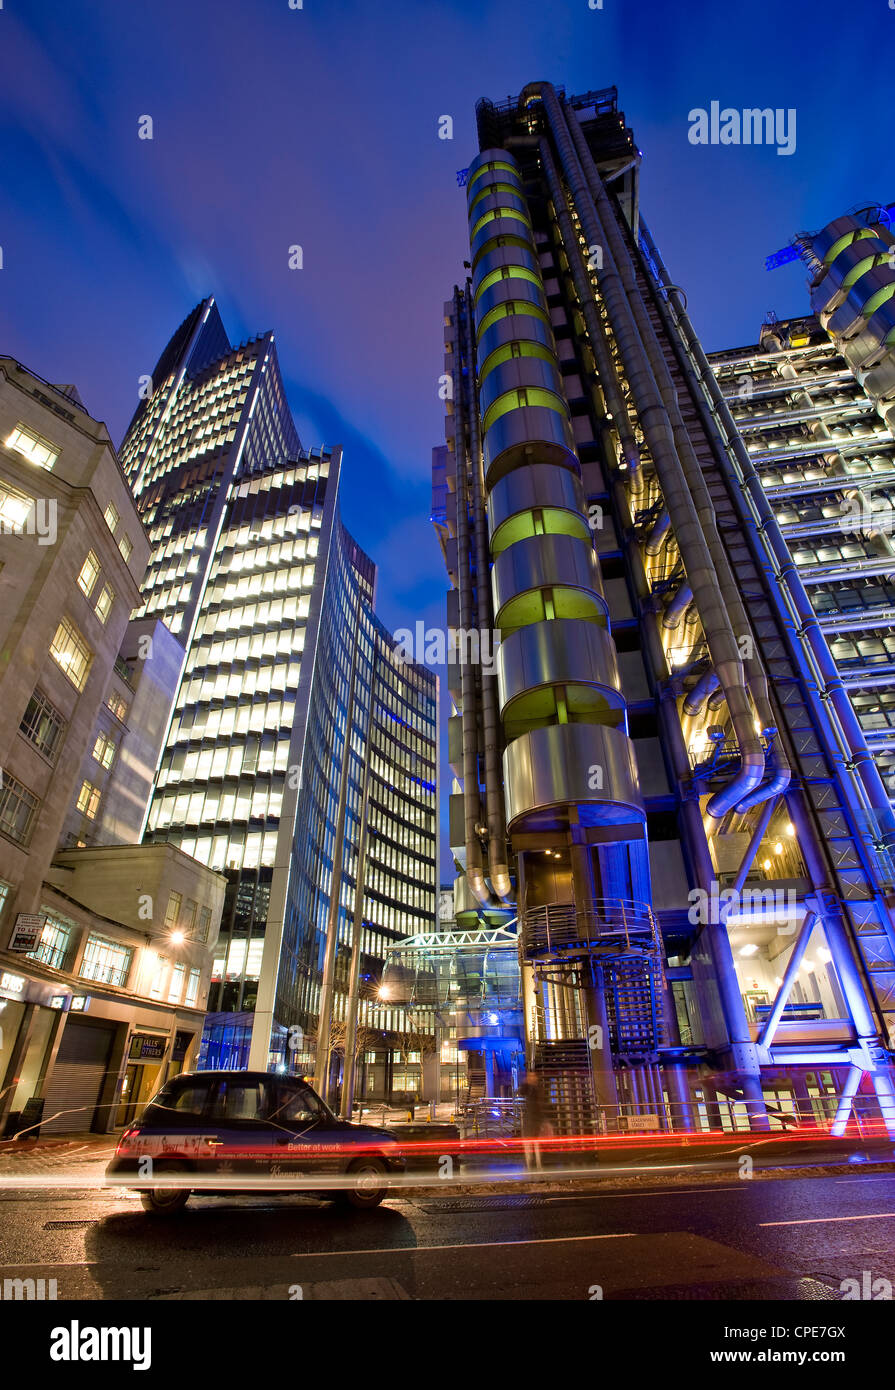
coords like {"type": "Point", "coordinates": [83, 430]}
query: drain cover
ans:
{"type": "Point", "coordinates": [65, 1225]}
{"type": "Point", "coordinates": [474, 1204]}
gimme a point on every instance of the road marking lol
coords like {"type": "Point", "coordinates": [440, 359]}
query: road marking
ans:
{"type": "Point", "coordinates": [471, 1245]}
{"type": "Point", "coordinates": [54, 1264]}
{"type": "Point", "coordinates": [878, 1177]}
{"type": "Point", "coordinates": [824, 1220]}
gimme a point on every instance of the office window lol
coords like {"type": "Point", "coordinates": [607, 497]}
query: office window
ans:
{"type": "Point", "coordinates": [117, 705]}
{"type": "Point", "coordinates": [204, 924]}
{"type": "Point", "coordinates": [157, 987]}
{"type": "Point", "coordinates": [15, 508]}
{"type": "Point", "coordinates": [124, 545]}
{"type": "Point", "coordinates": [88, 800]}
{"type": "Point", "coordinates": [111, 517]}
{"type": "Point", "coordinates": [71, 652]}
{"type": "Point", "coordinates": [104, 750]}
{"type": "Point", "coordinates": [172, 911]}
{"type": "Point", "coordinates": [192, 988]}
{"type": "Point", "coordinates": [105, 961]}
{"type": "Point", "coordinates": [18, 809]}
{"type": "Point", "coordinates": [104, 603]}
{"type": "Point", "coordinates": [190, 911]}
{"type": "Point", "coordinates": [89, 574]}
{"type": "Point", "coordinates": [55, 941]}
{"type": "Point", "coordinates": [43, 725]}
{"type": "Point", "coordinates": [32, 446]}
{"type": "Point", "coordinates": [176, 987]}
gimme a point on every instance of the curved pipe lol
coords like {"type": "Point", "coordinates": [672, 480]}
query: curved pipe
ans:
{"type": "Point", "coordinates": [656, 538]}
{"type": "Point", "coordinates": [639, 352]}
{"type": "Point", "coordinates": [778, 783]}
{"type": "Point", "coordinates": [716, 700]}
{"type": "Point", "coordinates": [705, 686]}
{"type": "Point", "coordinates": [678, 606]}
{"type": "Point", "coordinates": [471, 800]}
{"type": "Point", "coordinates": [499, 872]}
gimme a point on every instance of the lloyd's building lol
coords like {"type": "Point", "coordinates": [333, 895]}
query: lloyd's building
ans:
{"type": "Point", "coordinates": [663, 789]}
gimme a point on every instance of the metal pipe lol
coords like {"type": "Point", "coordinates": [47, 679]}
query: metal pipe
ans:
{"type": "Point", "coordinates": [677, 607]}
{"type": "Point", "coordinates": [656, 538]}
{"type": "Point", "coordinates": [705, 686]}
{"type": "Point", "coordinates": [468, 724]}
{"type": "Point", "coordinates": [498, 869]}
{"type": "Point", "coordinates": [832, 691]}
{"type": "Point", "coordinates": [758, 835]}
{"type": "Point", "coordinates": [769, 1028]}
{"type": "Point", "coordinates": [660, 439]}
{"type": "Point", "coordinates": [756, 680]}
{"type": "Point", "coordinates": [596, 333]}
{"type": "Point", "coordinates": [843, 1109]}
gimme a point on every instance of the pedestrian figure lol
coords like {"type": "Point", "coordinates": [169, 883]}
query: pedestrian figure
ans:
{"type": "Point", "coordinates": [532, 1119]}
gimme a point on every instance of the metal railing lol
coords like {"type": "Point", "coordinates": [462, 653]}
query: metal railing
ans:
{"type": "Point", "coordinates": [609, 921]}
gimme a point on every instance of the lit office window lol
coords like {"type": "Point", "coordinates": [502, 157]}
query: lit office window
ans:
{"type": "Point", "coordinates": [104, 603]}
{"type": "Point", "coordinates": [175, 988]}
{"type": "Point", "coordinates": [105, 961]}
{"type": "Point", "coordinates": [111, 517]}
{"type": "Point", "coordinates": [71, 652]}
{"type": "Point", "coordinates": [32, 446]}
{"type": "Point", "coordinates": [192, 988]}
{"type": "Point", "coordinates": [55, 941]}
{"type": "Point", "coordinates": [104, 750]}
{"type": "Point", "coordinates": [117, 705]}
{"type": "Point", "coordinates": [88, 800]}
{"type": "Point", "coordinates": [125, 546]}
{"type": "Point", "coordinates": [15, 508]}
{"type": "Point", "coordinates": [89, 574]}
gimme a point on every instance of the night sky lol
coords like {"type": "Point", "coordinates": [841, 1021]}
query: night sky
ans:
{"type": "Point", "coordinates": [319, 127]}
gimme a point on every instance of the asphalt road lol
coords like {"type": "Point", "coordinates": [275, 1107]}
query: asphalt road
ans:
{"type": "Point", "coordinates": [774, 1239]}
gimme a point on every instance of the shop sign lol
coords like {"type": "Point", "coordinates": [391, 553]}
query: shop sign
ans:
{"type": "Point", "coordinates": [13, 983]}
{"type": "Point", "coordinates": [145, 1048]}
{"type": "Point", "coordinates": [27, 930]}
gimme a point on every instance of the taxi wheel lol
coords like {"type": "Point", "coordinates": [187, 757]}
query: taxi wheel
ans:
{"type": "Point", "coordinates": [165, 1201]}
{"type": "Point", "coordinates": [368, 1184]}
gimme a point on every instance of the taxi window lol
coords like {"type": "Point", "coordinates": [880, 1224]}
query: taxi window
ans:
{"type": "Point", "coordinates": [187, 1098]}
{"type": "Point", "coordinates": [243, 1098]}
{"type": "Point", "coordinates": [296, 1102]}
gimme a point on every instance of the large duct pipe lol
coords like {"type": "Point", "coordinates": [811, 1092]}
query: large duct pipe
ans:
{"type": "Point", "coordinates": [756, 681]}
{"type": "Point", "coordinates": [660, 439]}
{"type": "Point", "coordinates": [584, 290]}
{"type": "Point", "coordinates": [498, 868]}
{"type": "Point", "coordinates": [706, 684]}
{"type": "Point", "coordinates": [678, 607]}
{"type": "Point", "coordinates": [656, 538]}
{"type": "Point", "coordinates": [471, 799]}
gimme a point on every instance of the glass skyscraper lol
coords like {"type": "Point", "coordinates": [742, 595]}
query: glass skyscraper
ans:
{"type": "Point", "coordinates": [293, 713]}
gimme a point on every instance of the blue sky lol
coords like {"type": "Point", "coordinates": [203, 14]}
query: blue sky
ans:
{"type": "Point", "coordinates": [319, 127]}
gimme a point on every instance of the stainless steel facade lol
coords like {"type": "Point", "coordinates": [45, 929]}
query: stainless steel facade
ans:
{"type": "Point", "coordinates": [685, 817]}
